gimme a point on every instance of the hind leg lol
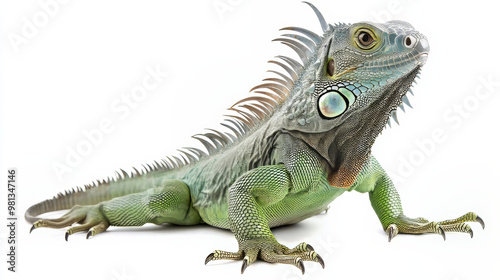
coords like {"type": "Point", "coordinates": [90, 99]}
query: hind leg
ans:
{"type": "Point", "coordinates": [168, 203]}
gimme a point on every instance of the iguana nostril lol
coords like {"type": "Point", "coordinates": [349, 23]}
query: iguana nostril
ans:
{"type": "Point", "coordinates": [410, 41]}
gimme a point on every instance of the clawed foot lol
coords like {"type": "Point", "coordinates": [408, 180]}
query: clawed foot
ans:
{"type": "Point", "coordinates": [269, 251]}
{"type": "Point", "coordinates": [421, 225]}
{"type": "Point", "coordinates": [90, 218]}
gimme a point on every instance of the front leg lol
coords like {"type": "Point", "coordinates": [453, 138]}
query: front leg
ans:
{"type": "Point", "coordinates": [387, 204]}
{"type": "Point", "coordinates": [248, 197]}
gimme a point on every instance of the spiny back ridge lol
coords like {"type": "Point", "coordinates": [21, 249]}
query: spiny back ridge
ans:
{"type": "Point", "coordinates": [249, 112]}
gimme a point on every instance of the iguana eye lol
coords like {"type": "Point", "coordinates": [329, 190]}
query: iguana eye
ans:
{"type": "Point", "coordinates": [365, 38]}
{"type": "Point", "coordinates": [330, 67]}
{"type": "Point", "coordinates": [332, 104]}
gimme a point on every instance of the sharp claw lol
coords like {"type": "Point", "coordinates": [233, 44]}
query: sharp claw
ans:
{"type": "Point", "coordinates": [244, 266]}
{"type": "Point", "coordinates": [33, 227]}
{"type": "Point", "coordinates": [391, 232]}
{"type": "Point", "coordinates": [209, 258]}
{"type": "Point", "coordinates": [321, 262]}
{"type": "Point", "coordinates": [66, 236]}
{"type": "Point", "coordinates": [471, 233]}
{"type": "Point", "coordinates": [300, 265]}
{"type": "Point", "coordinates": [441, 231]}
{"type": "Point", "coordinates": [309, 247]}
{"type": "Point", "coordinates": [479, 220]}
{"type": "Point", "coordinates": [89, 234]}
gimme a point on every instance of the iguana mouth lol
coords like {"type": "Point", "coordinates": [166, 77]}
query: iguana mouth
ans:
{"type": "Point", "coordinates": [397, 62]}
{"type": "Point", "coordinates": [421, 58]}
{"type": "Point", "coordinates": [347, 71]}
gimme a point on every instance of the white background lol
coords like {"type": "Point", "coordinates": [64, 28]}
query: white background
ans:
{"type": "Point", "coordinates": [65, 77]}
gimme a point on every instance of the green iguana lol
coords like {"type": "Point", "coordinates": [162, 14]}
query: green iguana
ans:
{"type": "Point", "coordinates": [299, 142]}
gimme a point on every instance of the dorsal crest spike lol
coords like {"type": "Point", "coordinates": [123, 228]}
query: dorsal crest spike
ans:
{"type": "Point", "coordinates": [210, 148]}
{"type": "Point", "coordinates": [285, 77]}
{"type": "Point", "coordinates": [259, 114]}
{"type": "Point", "coordinates": [255, 98]}
{"type": "Point", "coordinates": [310, 44]}
{"type": "Point", "coordinates": [163, 166]}
{"type": "Point", "coordinates": [199, 153]}
{"type": "Point", "coordinates": [279, 89]}
{"type": "Point", "coordinates": [313, 36]}
{"type": "Point", "coordinates": [244, 124]}
{"type": "Point", "coordinates": [250, 117]}
{"type": "Point", "coordinates": [287, 69]}
{"type": "Point", "coordinates": [303, 52]}
{"type": "Point", "coordinates": [179, 161]}
{"type": "Point", "coordinates": [125, 174]}
{"type": "Point", "coordinates": [321, 19]}
{"type": "Point", "coordinates": [184, 160]}
{"type": "Point", "coordinates": [167, 164]}
{"type": "Point", "coordinates": [157, 165]}
{"type": "Point", "coordinates": [172, 162]}
{"type": "Point", "coordinates": [279, 81]}
{"type": "Point", "coordinates": [250, 112]}
{"type": "Point", "coordinates": [137, 173]}
{"type": "Point", "coordinates": [264, 107]}
{"type": "Point", "coordinates": [231, 136]}
{"type": "Point", "coordinates": [292, 62]}
{"type": "Point", "coordinates": [223, 137]}
{"type": "Point", "coordinates": [234, 127]}
{"type": "Point", "coordinates": [275, 97]}
{"type": "Point", "coordinates": [216, 139]}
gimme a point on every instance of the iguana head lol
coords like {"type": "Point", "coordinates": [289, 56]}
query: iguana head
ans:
{"type": "Point", "coordinates": [350, 86]}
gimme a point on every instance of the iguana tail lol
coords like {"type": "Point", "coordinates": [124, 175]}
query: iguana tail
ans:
{"type": "Point", "coordinates": [91, 194]}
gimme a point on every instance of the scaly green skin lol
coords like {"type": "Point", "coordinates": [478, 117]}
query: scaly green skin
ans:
{"type": "Point", "coordinates": [291, 153]}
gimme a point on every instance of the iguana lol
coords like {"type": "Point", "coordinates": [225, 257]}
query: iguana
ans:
{"type": "Point", "coordinates": [302, 140]}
